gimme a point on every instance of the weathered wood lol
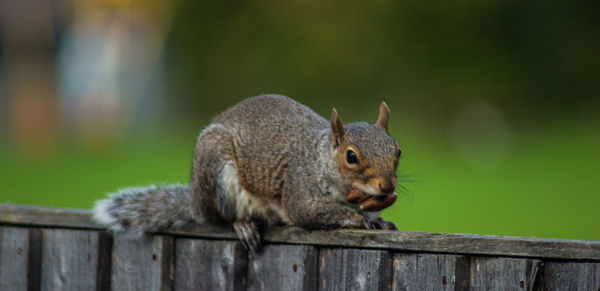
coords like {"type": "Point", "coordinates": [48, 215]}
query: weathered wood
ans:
{"type": "Point", "coordinates": [396, 241]}
{"type": "Point", "coordinates": [283, 267]}
{"type": "Point", "coordinates": [57, 258]}
{"type": "Point", "coordinates": [442, 243]}
{"type": "Point", "coordinates": [571, 276]}
{"type": "Point", "coordinates": [414, 271]}
{"type": "Point", "coordinates": [69, 259]}
{"type": "Point", "coordinates": [209, 265]}
{"type": "Point", "coordinates": [354, 269]}
{"type": "Point", "coordinates": [142, 264]}
{"type": "Point", "coordinates": [489, 273]}
{"type": "Point", "coordinates": [14, 250]}
{"type": "Point", "coordinates": [47, 216]}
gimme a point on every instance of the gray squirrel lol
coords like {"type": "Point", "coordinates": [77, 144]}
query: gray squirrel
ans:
{"type": "Point", "coordinates": [267, 161]}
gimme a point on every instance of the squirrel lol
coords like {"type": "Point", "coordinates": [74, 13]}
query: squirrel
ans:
{"type": "Point", "coordinates": [268, 161]}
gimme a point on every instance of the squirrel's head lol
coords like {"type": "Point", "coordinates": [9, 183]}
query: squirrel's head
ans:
{"type": "Point", "coordinates": [365, 154]}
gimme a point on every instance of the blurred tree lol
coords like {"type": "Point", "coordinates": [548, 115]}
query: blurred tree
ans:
{"type": "Point", "coordinates": [534, 59]}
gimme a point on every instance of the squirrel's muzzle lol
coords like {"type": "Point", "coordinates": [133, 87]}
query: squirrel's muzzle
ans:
{"type": "Point", "coordinates": [387, 187]}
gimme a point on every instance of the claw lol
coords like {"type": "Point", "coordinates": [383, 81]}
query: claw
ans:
{"type": "Point", "coordinates": [379, 223]}
{"type": "Point", "coordinates": [249, 234]}
{"type": "Point", "coordinates": [238, 227]}
{"type": "Point", "coordinates": [389, 225]}
{"type": "Point", "coordinates": [366, 225]}
{"type": "Point", "coordinates": [253, 239]}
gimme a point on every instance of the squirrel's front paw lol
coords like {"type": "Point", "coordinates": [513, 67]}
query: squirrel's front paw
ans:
{"type": "Point", "coordinates": [356, 221]}
{"type": "Point", "coordinates": [379, 223]}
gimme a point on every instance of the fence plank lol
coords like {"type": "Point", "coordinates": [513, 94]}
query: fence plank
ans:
{"type": "Point", "coordinates": [209, 265]}
{"type": "Point", "coordinates": [571, 276]}
{"type": "Point", "coordinates": [69, 259]}
{"type": "Point", "coordinates": [354, 269]}
{"type": "Point", "coordinates": [390, 240]}
{"type": "Point", "coordinates": [47, 216]}
{"type": "Point", "coordinates": [56, 258]}
{"type": "Point", "coordinates": [414, 271]}
{"type": "Point", "coordinates": [142, 264]}
{"type": "Point", "coordinates": [283, 267]}
{"type": "Point", "coordinates": [488, 273]}
{"type": "Point", "coordinates": [14, 250]}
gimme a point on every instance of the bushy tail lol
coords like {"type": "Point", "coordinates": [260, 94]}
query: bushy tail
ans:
{"type": "Point", "coordinates": [146, 209]}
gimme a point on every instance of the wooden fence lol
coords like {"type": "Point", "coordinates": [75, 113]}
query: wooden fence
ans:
{"type": "Point", "coordinates": [63, 249]}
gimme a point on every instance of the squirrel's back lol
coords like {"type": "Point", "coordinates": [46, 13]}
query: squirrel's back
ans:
{"type": "Point", "coordinates": [288, 118]}
{"type": "Point", "coordinates": [270, 133]}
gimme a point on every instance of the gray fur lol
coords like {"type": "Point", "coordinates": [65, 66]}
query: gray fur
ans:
{"type": "Point", "coordinates": [145, 209]}
{"type": "Point", "coordinates": [267, 160]}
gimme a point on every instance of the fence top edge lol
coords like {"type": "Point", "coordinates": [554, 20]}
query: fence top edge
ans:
{"type": "Point", "coordinates": [22, 215]}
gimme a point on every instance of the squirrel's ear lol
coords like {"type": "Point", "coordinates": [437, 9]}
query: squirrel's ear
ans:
{"type": "Point", "coordinates": [337, 128]}
{"type": "Point", "coordinates": [384, 116]}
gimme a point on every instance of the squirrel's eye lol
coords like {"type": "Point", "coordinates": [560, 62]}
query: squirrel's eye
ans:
{"type": "Point", "coordinates": [399, 153]}
{"type": "Point", "coordinates": [351, 157]}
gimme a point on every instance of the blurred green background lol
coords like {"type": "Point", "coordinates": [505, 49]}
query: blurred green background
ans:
{"type": "Point", "coordinates": [496, 104]}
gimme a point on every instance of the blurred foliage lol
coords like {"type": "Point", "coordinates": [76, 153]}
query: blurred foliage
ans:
{"type": "Point", "coordinates": [533, 59]}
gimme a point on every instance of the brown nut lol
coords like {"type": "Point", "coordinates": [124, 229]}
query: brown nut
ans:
{"type": "Point", "coordinates": [378, 203]}
{"type": "Point", "coordinates": [356, 196]}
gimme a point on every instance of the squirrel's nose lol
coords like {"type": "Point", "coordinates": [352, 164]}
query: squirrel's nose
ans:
{"type": "Point", "coordinates": [388, 187]}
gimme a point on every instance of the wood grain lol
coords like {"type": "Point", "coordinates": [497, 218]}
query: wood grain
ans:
{"type": "Point", "coordinates": [39, 251]}
{"type": "Point", "coordinates": [69, 259]}
{"type": "Point", "coordinates": [47, 216]}
{"type": "Point", "coordinates": [354, 269]}
{"type": "Point", "coordinates": [372, 239]}
{"type": "Point", "coordinates": [571, 276]}
{"type": "Point", "coordinates": [209, 265]}
{"type": "Point", "coordinates": [414, 271]}
{"type": "Point", "coordinates": [489, 273]}
{"type": "Point", "coordinates": [283, 267]}
{"type": "Point", "coordinates": [14, 250]}
{"type": "Point", "coordinates": [142, 264]}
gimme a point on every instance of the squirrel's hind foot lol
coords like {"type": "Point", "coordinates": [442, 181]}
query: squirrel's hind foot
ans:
{"type": "Point", "coordinates": [249, 231]}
